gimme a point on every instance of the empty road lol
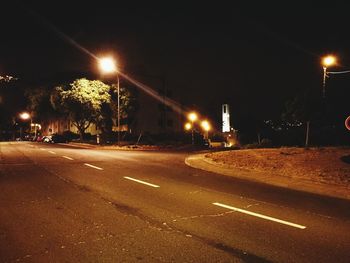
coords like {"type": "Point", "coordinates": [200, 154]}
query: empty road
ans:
{"type": "Point", "coordinates": [65, 204]}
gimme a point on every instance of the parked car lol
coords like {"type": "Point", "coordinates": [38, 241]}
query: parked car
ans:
{"type": "Point", "coordinates": [55, 138]}
{"type": "Point", "coordinates": [58, 138]}
{"type": "Point", "coordinates": [47, 138]}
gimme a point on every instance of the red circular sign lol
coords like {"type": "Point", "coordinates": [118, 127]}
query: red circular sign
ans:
{"type": "Point", "coordinates": [347, 123]}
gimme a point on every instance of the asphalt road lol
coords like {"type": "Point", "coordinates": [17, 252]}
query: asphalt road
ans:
{"type": "Point", "coordinates": [65, 204]}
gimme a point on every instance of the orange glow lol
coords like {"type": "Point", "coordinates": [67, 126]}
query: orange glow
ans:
{"type": "Point", "coordinates": [188, 126]}
{"type": "Point", "coordinates": [329, 60]}
{"type": "Point", "coordinates": [206, 125]}
{"type": "Point", "coordinates": [24, 116]}
{"type": "Point", "coordinates": [192, 116]}
{"type": "Point", "coordinates": [107, 65]}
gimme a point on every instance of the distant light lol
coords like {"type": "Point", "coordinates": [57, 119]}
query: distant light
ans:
{"type": "Point", "coordinates": [24, 116]}
{"type": "Point", "coordinates": [188, 126]}
{"type": "Point", "coordinates": [36, 125]}
{"type": "Point", "coordinates": [192, 116]}
{"type": "Point", "coordinates": [329, 61]}
{"type": "Point", "coordinates": [205, 125]}
{"type": "Point", "coordinates": [107, 65]}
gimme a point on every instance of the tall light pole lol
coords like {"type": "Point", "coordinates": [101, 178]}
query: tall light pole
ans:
{"type": "Point", "coordinates": [25, 116]}
{"type": "Point", "coordinates": [206, 127]}
{"type": "Point", "coordinates": [108, 65]}
{"type": "Point", "coordinates": [192, 116]}
{"type": "Point", "coordinates": [327, 61]}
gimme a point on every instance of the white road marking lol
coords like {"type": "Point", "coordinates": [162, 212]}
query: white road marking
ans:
{"type": "Point", "coordinates": [93, 166]}
{"type": "Point", "coordinates": [260, 216]}
{"type": "Point", "coordinates": [67, 157]}
{"type": "Point", "coordinates": [141, 182]}
{"type": "Point", "coordinates": [52, 152]}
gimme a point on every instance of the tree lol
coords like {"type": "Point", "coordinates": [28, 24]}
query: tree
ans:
{"type": "Point", "coordinates": [128, 103]}
{"type": "Point", "coordinates": [39, 103]}
{"type": "Point", "coordinates": [303, 108]}
{"type": "Point", "coordinates": [82, 101]}
{"type": "Point", "coordinates": [128, 108]}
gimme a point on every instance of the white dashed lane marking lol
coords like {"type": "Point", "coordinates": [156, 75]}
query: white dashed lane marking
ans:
{"type": "Point", "coordinates": [141, 182]}
{"type": "Point", "coordinates": [66, 157]}
{"type": "Point", "coordinates": [260, 216]}
{"type": "Point", "coordinates": [93, 166]}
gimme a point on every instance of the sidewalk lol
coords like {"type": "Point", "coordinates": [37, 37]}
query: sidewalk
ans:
{"type": "Point", "coordinates": [199, 161]}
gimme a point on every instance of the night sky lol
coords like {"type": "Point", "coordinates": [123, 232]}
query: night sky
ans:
{"type": "Point", "coordinates": [254, 56]}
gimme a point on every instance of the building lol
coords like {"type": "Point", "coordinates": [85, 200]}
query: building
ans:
{"type": "Point", "coordinates": [153, 116]}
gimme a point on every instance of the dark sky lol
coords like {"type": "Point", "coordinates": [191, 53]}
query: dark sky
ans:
{"type": "Point", "coordinates": [253, 56]}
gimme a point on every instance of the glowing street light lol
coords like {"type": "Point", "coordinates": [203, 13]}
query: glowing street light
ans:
{"type": "Point", "coordinates": [188, 126]}
{"type": "Point", "coordinates": [192, 116]}
{"type": "Point", "coordinates": [108, 65]}
{"type": "Point", "coordinates": [24, 116]}
{"type": "Point", "coordinates": [327, 61]}
{"type": "Point", "coordinates": [206, 127]}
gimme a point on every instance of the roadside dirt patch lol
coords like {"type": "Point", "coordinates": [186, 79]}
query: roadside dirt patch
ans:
{"type": "Point", "coordinates": [329, 165]}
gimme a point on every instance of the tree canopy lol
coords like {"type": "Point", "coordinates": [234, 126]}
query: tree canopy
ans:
{"type": "Point", "coordinates": [82, 101]}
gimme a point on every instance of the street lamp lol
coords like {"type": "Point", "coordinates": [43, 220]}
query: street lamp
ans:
{"type": "Point", "coordinates": [188, 126]}
{"type": "Point", "coordinates": [25, 116]}
{"type": "Point", "coordinates": [327, 61]}
{"type": "Point", "coordinates": [206, 127]}
{"type": "Point", "coordinates": [108, 65]}
{"type": "Point", "coordinates": [192, 116]}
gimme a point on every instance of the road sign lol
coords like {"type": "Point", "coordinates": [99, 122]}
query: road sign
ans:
{"type": "Point", "coordinates": [347, 123]}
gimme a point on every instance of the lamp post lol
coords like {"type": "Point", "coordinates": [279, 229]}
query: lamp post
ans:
{"type": "Point", "coordinates": [192, 116]}
{"type": "Point", "coordinates": [206, 127]}
{"type": "Point", "coordinates": [108, 65]}
{"type": "Point", "coordinates": [327, 61]}
{"type": "Point", "coordinates": [25, 116]}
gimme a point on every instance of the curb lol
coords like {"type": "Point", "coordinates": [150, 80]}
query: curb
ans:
{"type": "Point", "coordinates": [79, 145]}
{"type": "Point", "coordinates": [199, 161]}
